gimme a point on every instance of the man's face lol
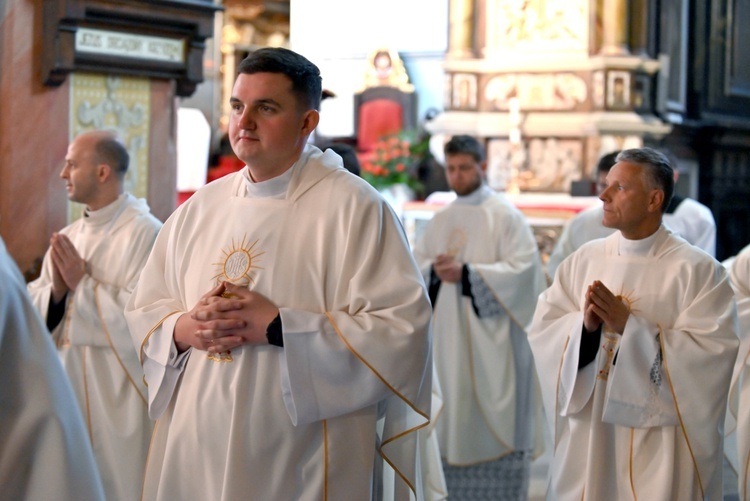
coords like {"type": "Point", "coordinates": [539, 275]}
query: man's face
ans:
{"type": "Point", "coordinates": [268, 127]}
{"type": "Point", "coordinates": [628, 200]}
{"type": "Point", "coordinates": [464, 174]}
{"type": "Point", "coordinates": [81, 171]}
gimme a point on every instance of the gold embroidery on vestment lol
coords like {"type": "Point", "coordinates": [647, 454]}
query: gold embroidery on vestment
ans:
{"type": "Point", "coordinates": [238, 264]}
{"type": "Point", "coordinates": [238, 267]}
{"type": "Point", "coordinates": [223, 356]}
{"type": "Point", "coordinates": [456, 241]}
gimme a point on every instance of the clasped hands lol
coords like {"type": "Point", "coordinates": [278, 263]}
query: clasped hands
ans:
{"type": "Point", "coordinates": [603, 307]}
{"type": "Point", "coordinates": [68, 267]}
{"type": "Point", "coordinates": [225, 317]}
{"type": "Point", "coordinates": [447, 268]}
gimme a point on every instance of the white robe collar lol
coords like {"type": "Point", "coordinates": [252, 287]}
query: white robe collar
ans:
{"type": "Point", "coordinates": [101, 217]}
{"type": "Point", "coordinates": [476, 197]}
{"type": "Point", "coordinates": [291, 184]}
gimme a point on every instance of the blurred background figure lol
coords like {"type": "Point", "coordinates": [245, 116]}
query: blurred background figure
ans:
{"type": "Point", "coordinates": [45, 451]}
{"type": "Point", "coordinates": [483, 270]}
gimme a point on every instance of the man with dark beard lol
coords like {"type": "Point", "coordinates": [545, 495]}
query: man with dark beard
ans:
{"type": "Point", "coordinates": [481, 262]}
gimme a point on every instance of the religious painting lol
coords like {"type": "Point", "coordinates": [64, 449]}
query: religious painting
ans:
{"type": "Point", "coordinates": [642, 93]}
{"type": "Point", "coordinates": [618, 90]}
{"type": "Point", "coordinates": [385, 68]}
{"type": "Point", "coordinates": [464, 91]}
{"type": "Point", "coordinates": [557, 25]}
{"type": "Point", "coordinates": [553, 164]}
{"type": "Point", "coordinates": [118, 104]}
{"type": "Point", "coordinates": [499, 170]}
{"type": "Point", "coordinates": [534, 91]}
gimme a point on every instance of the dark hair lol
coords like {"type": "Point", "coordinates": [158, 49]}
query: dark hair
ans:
{"type": "Point", "coordinates": [109, 150]}
{"type": "Point", "coordinates": [465, 144]}
{"type": "Point", "coordinates": [607, 162]}
{"type": "Point", "coordinates": [305, 76]}
{"type": "Point", "coordinates": [658, 169]}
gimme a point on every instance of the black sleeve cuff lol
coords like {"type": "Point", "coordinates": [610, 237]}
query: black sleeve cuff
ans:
{"type": "Point", "coordinates": [465, 284]}
{"type": "Point", "coordinates": [434, 286]}
{"type": "Point", "coordinates": [55, 312]}
{"type": "Point", "coordinates": [274, 332]}
{"type": "Point", "coordinates": [589, 347]}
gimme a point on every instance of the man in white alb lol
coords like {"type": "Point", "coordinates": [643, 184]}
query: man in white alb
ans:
{"type": "Point", "coordinates": [87, 277]}
{"type": "Point", "coordinates": [634, 344]}
{"type": "Point", "coordinates": [482, 264]}
{"type": "Point", "coordinates": [686, 217]}
{"type": "Point", "coordinates": [738, 419]}
{"type": "Point", "coordinates": [45, 452]}
{"type": "Point", "coordinates": [282, 322]}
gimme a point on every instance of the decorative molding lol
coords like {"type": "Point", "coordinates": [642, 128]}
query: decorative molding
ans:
{"type": "Point", "coordinates": [137, 38]}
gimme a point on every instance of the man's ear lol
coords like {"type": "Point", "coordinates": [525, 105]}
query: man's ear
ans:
{"type": "Point", "coordinates": [310, 120]}
{"type": "Point", "coordinates": [656, 200]}
{"type": "Point", "coordinates": [104, 172]}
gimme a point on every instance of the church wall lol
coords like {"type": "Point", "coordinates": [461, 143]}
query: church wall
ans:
{"type": "Point", "coordinates": [33, 138]}
{"type": "Point", "coordinates": [37, 122]}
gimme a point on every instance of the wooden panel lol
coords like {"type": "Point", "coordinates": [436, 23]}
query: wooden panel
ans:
{"type": "Point", "coordinates": [727, 73]}
{"type": "Point", "coordinates": [673, 51]}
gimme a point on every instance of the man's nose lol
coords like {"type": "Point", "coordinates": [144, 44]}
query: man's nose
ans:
{"type": "Point", "coordinates": [246, 120]}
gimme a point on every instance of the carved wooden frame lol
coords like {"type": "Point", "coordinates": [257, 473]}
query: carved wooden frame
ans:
{"type": "Point", "coordinates": [191, 21]}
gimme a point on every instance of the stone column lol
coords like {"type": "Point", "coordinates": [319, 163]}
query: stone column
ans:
{"type": "Point", "coordinates": [461, 29]}
{"type": "Point", "coordinates": [639, 27]}
{"type": "Point", "coordinates": [616, 28]}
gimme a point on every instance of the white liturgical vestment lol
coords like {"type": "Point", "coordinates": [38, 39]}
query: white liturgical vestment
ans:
{"type": "Point", "coordinates": [44, 449]}
{"type": "Point", "coordinates": [299, 421]}
{"type": "Point", "coordinates": [738, 418]}
{"type": "Point", "coordinates": [484, 363]}
{"type": "Point", "coordinates": [94, 342]}
{"type": "Point", "coordinates": [644, 419]}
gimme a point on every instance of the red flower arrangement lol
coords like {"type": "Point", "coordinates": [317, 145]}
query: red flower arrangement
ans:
{"type": "Point", "coordinates": [393, 161]}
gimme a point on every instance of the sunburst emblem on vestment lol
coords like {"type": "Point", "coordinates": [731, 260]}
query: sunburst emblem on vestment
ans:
{"type": "Point", "coordinates": [628, 299]}
{"type": "Point", "coordinates": [238, 267]}
{"type": "Point", "coordinates": [456, 241]}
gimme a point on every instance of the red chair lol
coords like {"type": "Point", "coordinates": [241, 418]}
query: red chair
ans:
{"type": "Point", "coordinates": [380, 111]}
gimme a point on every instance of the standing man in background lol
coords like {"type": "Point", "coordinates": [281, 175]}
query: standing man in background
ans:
{"type": "Point", "coordinates": [87, 277]}
{"type": "Point", "coordinates": [634, 343]}
{"type": "Point", "coordinates": [281, 319]}
{"type": "Point", "coordinates": [482, 264]}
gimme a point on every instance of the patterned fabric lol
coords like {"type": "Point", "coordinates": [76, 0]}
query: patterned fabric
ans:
{"type": "Point", "coordinates": [484, 300]}
{"type": "Point", "coordinates": [655, 373]}
{"type": "Point", "coordinates": [505, 479]}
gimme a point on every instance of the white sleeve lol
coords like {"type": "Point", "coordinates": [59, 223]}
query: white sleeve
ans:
{"type": "Point", "coordinates": [638, 393]}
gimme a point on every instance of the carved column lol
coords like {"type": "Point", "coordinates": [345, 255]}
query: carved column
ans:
{"type": "Point", "coordinates": [461, 29]}
{"type": "Point", "coordinates": [616, 28]}
{"type": "Point", "coordinates": [639, 27]}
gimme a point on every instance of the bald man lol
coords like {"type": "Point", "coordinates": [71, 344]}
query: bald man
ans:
{"type": "Point", "coordinates": [87, 277]}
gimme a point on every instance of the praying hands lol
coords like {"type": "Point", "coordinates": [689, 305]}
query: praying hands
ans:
{"type": "Point", "coordinates": [68, 267]}
{"type": "Point", "coordinates": [603, 307]}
